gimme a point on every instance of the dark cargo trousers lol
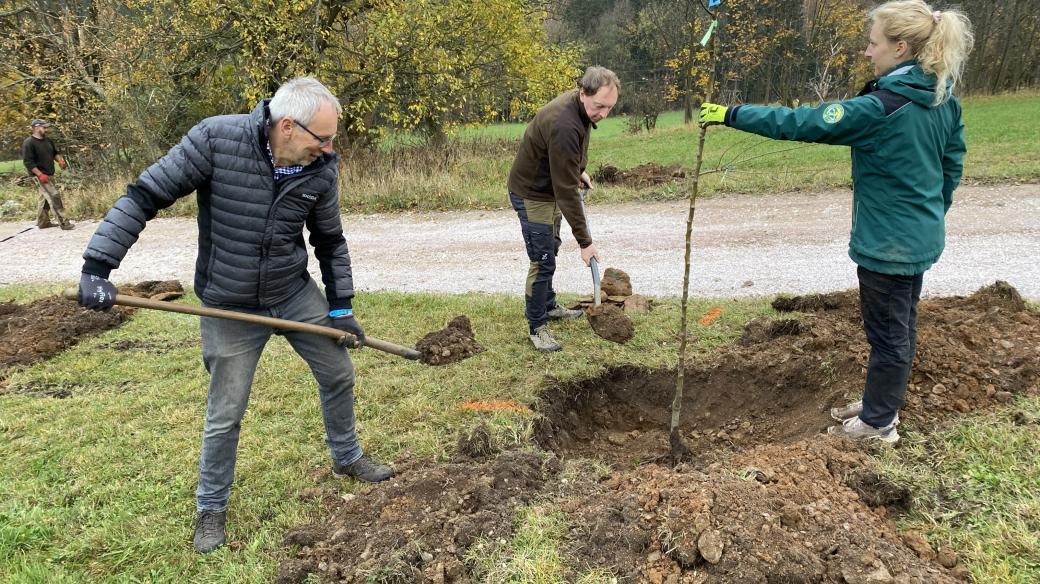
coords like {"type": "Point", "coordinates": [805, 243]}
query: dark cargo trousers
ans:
{"type": "Point", "coordinates": [540, 225]}
{"type": "Point", "coordinates": [888, 304]}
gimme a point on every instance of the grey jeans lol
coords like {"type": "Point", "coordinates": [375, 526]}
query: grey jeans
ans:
{"type": "Point", "coordinates": [231, 350]}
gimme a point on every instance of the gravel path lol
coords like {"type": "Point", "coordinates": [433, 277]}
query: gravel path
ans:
{"type": "Point", "coordinates": [743, 246]}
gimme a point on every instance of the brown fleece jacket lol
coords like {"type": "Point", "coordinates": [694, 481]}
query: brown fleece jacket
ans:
{"type": "Point", "coordinates": [552, 156]}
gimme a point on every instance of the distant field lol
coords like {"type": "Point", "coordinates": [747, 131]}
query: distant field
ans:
{"type": "Point", "coordinates": [1002, 132]}
{"type": "Point", "coordinates": [9, 166]}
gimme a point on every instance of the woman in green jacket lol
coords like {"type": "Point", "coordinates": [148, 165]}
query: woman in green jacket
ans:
{"type": "Point", "coordinates": [907, 142]}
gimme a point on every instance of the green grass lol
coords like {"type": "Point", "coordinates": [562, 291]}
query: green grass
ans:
{"type": "Point", "coordinates": [532, 555]}
{"type": "Point", "coordinates": [975, 485]}
{"type": "Point", "coordinates": [100, 486]}
{"type": "Point", "coordinates": [1002, 133]}
{"type": "Point", "coordinates": [11, 166]}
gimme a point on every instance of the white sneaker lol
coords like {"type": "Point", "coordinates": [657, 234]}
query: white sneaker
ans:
{"type": "Point", "coordinates": [857, 429]}
{"type": "Point", "coordinates": [544, 341]}
{"type": "Point", "coordinates": [853, 410]}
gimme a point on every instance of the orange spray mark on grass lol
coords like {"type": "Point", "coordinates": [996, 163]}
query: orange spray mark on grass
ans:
{"type": "Point", "coordinates": [711, 315]}
{"type": "Point", "coordinates": [492, 405]}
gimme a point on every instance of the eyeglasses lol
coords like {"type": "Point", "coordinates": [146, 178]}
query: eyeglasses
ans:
{"type": "Point", "coordinates": [322, 141]}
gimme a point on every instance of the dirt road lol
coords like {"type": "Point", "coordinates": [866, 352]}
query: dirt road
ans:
{"type": "Point", "coordinates": [743, 245]}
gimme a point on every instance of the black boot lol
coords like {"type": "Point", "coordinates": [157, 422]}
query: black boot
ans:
{"type": "Point", "coordinates": [209, 531]}
{"type": "Point", "coordinates": [363, 469]}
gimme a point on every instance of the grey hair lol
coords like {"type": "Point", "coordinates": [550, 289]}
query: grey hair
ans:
{"type": "Point", "coordinates": [300, 99]}
{"type": "Point", "coordinates": [596, 77]}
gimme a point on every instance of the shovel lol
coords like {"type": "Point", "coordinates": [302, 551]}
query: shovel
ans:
{"type": "Point", "coordinates": [346, 339]}
{"type": "Point", "coordinates": [593, 262]}
{"type": "Point", "coordinates": [607, 321]}
{"type": "Point", "coordinates": [594, 266]}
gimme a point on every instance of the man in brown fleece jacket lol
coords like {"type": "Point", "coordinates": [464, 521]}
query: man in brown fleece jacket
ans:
{"type": "Point", "coordinates": [544, 184]}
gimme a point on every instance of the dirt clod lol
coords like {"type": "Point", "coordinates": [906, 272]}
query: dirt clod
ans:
{"type": "Point", "coordinates": [814, 302]}
{"type": "Point", "coordinates": [1002, 295]}
{"type": "Point", "coordinates": [154, 289]}
{"type": "Point", "coordinates": [450, 344]}
{"type": "Point", "coordinates": [611, 323]}
{"type": "Point", "coordinates": [476, 445]}
{"type": "Point", "coordinates": [637, 304]}
{"type": "Point", "coordinates": [762, 329]}
{"type": "Point", "coordinates": [615, 282]}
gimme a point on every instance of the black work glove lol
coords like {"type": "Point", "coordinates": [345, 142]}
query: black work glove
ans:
{"type": "Point", "coordinates": [96, 293]}
{"type": "Point", "coordinates": [344, 320]}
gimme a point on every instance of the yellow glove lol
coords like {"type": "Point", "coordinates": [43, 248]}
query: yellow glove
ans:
{"type": "Point", "coordinates": [713, 113]}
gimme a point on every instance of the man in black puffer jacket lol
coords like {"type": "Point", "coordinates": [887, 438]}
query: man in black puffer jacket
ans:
{"type": "Point", "coordinates": [260, 178]}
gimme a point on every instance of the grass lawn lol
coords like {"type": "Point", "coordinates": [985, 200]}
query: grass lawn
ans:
{"type": "Point", "coordinates": [11, 166]}
{"type": "Point", "coordinates": [100, 486]}
{"type": "Point", "coordinates": [1002, 133]}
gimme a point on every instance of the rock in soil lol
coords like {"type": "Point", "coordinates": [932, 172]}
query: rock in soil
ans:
{"type": "Point", "coordinates": [611, 323]}
{"type": "Point", "coordinates": [450, 344]}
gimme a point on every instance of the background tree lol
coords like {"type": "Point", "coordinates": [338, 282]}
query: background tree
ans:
{"type": "Point", "coordinates": [127, 79]}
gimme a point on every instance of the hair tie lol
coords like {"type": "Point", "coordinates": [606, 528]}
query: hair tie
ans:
{"type": "Point", "coordinates": [936, 17]}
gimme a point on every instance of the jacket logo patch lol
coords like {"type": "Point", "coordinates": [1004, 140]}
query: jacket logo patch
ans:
{"type": "Point", "coordinates": [309, 196]}
{"type": "Point", "coordinates": [833, 114]}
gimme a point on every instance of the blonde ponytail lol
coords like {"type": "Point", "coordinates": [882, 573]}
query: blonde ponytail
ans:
{"type": "Point", "coordinates": [940, 40]}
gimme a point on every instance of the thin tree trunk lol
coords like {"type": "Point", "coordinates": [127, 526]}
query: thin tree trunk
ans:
{"type": "Point", "coordinates": [678, 448]}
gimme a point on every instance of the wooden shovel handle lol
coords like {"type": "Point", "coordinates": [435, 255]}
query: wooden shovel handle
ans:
{"type": "Point", "coordinates": [278, 323]}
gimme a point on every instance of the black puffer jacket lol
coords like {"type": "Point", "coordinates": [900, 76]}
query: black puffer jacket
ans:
{"type": "Point", "coordinates": [251, 246]}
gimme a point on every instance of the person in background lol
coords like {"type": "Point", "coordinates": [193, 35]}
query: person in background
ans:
{"type": "Point", "coordinates": [260, 178]}
{"type": "Point", "coordinates": [907, 140]}
{"type": "Point", "coordinates": [545, 184]}
{"type": "Point", "coordinates": [39, 155]}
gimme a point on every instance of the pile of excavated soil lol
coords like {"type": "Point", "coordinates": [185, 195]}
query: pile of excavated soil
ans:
{"type": "Point", "coordinates": [765, 498]}
{"type": "Point", "coordinates": [450, 344]}
{"type": "Point", "coordinates": [649, 174]}
{"type": "Point", "coordinates": [43, 328]}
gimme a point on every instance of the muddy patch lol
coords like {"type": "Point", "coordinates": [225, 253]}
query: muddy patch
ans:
{"type": "Point", "coordinates": [766, 497]}
{"type": "Point", "coordinates": [451, 344]}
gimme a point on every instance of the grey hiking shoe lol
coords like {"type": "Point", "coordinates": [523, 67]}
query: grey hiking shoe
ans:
{"type": "Point", "coordinates": [544, 341]}
{"type": "Point", "coordinates": [853, 410]}
{"type": "Point", "coordinates": [363, 469]}
{"type": "Point", "coordinates": [209, 531]}
{"type": "Point", "coordinates": [857, 429]}
{"type": "Point", "coordinates": [560, 313]}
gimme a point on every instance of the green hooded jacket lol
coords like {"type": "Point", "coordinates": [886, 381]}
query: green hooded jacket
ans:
{"type": "Point", "coordinates": [907, 159]}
